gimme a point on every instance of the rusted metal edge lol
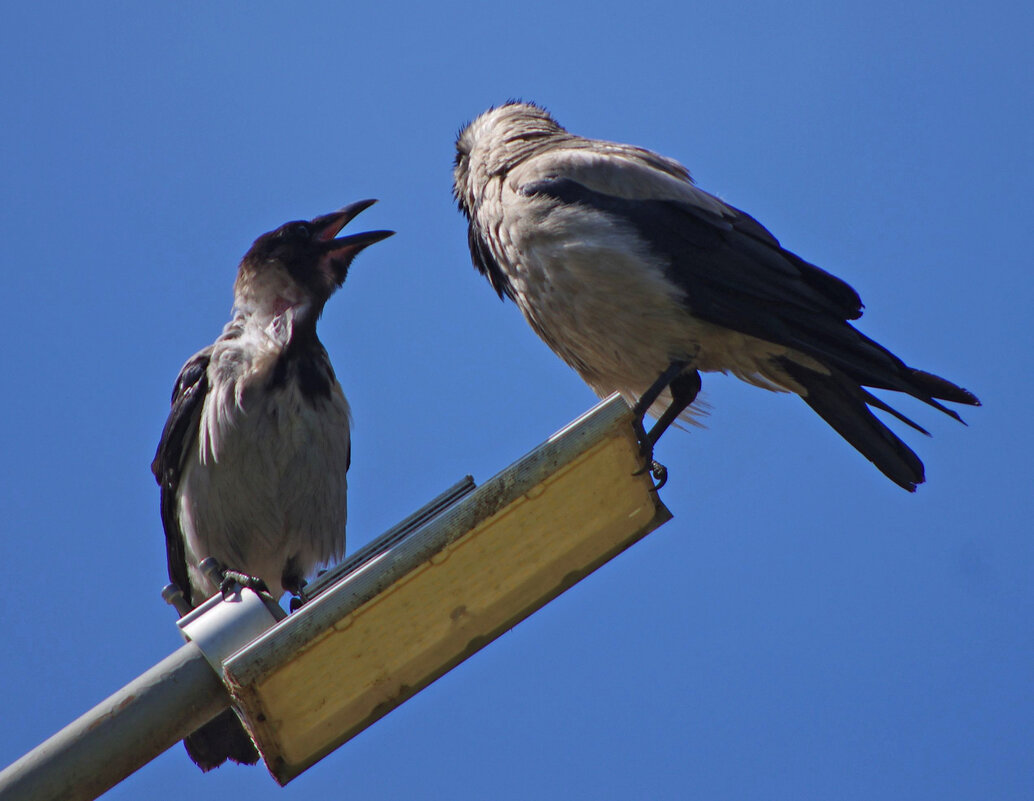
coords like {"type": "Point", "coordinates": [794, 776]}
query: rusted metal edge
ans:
{"type": "Point", "coordinates": [284, 772]}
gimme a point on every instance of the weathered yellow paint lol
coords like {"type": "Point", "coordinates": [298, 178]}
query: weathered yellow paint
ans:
{"type": "Point", "coordinates": [453, 604]}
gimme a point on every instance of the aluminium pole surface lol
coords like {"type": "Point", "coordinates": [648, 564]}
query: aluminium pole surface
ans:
{"type": "Point", "coordinates": [121, 734]}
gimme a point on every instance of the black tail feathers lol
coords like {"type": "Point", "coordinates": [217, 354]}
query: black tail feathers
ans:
{"type": "Point", "coordinates": [844, 404]}
{"type": "Point", "coordinates": [927, 387]}
{"type": "Point", "coordinates": [222, 738]}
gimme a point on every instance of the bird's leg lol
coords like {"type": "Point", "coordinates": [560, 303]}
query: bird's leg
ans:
{"type": "Point", "coordinates": [642, 406]}
{"type": "Point", "coordinates": [684, 388]}
{"type": "Point", "coordinates": [294, 585]}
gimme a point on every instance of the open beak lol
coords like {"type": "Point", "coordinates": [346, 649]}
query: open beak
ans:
{"type": "Point", "coordinates": [338, 253]}
{"type": "Point", "coordinates": [342, 250]}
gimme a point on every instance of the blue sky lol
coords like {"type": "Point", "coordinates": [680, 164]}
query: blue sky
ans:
{"type": "Point", "coordinates": [802, 629]}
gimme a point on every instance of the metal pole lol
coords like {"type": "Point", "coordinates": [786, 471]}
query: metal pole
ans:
{"type": "Point", "coordinates": [121, 734]}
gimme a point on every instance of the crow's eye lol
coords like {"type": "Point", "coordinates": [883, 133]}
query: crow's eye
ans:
{"type": "Point", "coordinates": [294, 231]}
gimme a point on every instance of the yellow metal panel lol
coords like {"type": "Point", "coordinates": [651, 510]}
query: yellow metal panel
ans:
{"type": "Point", "coordinates": [451, 605]}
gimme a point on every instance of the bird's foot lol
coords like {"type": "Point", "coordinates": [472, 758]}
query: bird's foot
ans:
{"type": "Point", "coordinates": [684, 387]}
{"type": "Point", "coordinates": [655, 469]}
{"type": "Point", "coordinates": [232, 578]}
{"type": "Point", "coordinates": [650, 465]}
{"type": "Point", "coordinates": [295, 587]}
{"type": "Point", "coordinates": [228, 579]}
{"type": "Point", "coordinates": [659, 473]}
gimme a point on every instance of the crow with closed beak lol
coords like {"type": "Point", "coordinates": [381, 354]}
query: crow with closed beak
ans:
{"type": "Point", "coordinates": [640, 281]}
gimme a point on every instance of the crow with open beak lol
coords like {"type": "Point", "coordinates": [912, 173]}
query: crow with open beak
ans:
{"type": "Point", "coordinates": [253, 456]}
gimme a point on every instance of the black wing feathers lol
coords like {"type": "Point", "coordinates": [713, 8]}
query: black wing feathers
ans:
{"type": "Point", "coordinates": [179, 434]}
{"type": "Point", "coordinates": [224, 736]}
{"type": "Point", "coordinates": [486, 264]}
{"type": "Point", "coordinates": [735, 274]}
{"type": "Point", "coordinates": [731, 256]}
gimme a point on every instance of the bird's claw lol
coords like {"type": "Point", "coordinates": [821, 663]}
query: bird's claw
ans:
{"type": "Point", "coordinates": [659, 473]}
{"type": "Point", "coordinates": [295, 585]}
{"type": "Point", "coordinates": [650, 465]}
{"type": "Point", "coordinates": [655, 469]}
{"type": "Point", "coordinates": [231, 578]}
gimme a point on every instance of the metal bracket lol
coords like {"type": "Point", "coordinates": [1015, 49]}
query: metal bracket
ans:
{"type": "Point", "coordinates": [221, 626]}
